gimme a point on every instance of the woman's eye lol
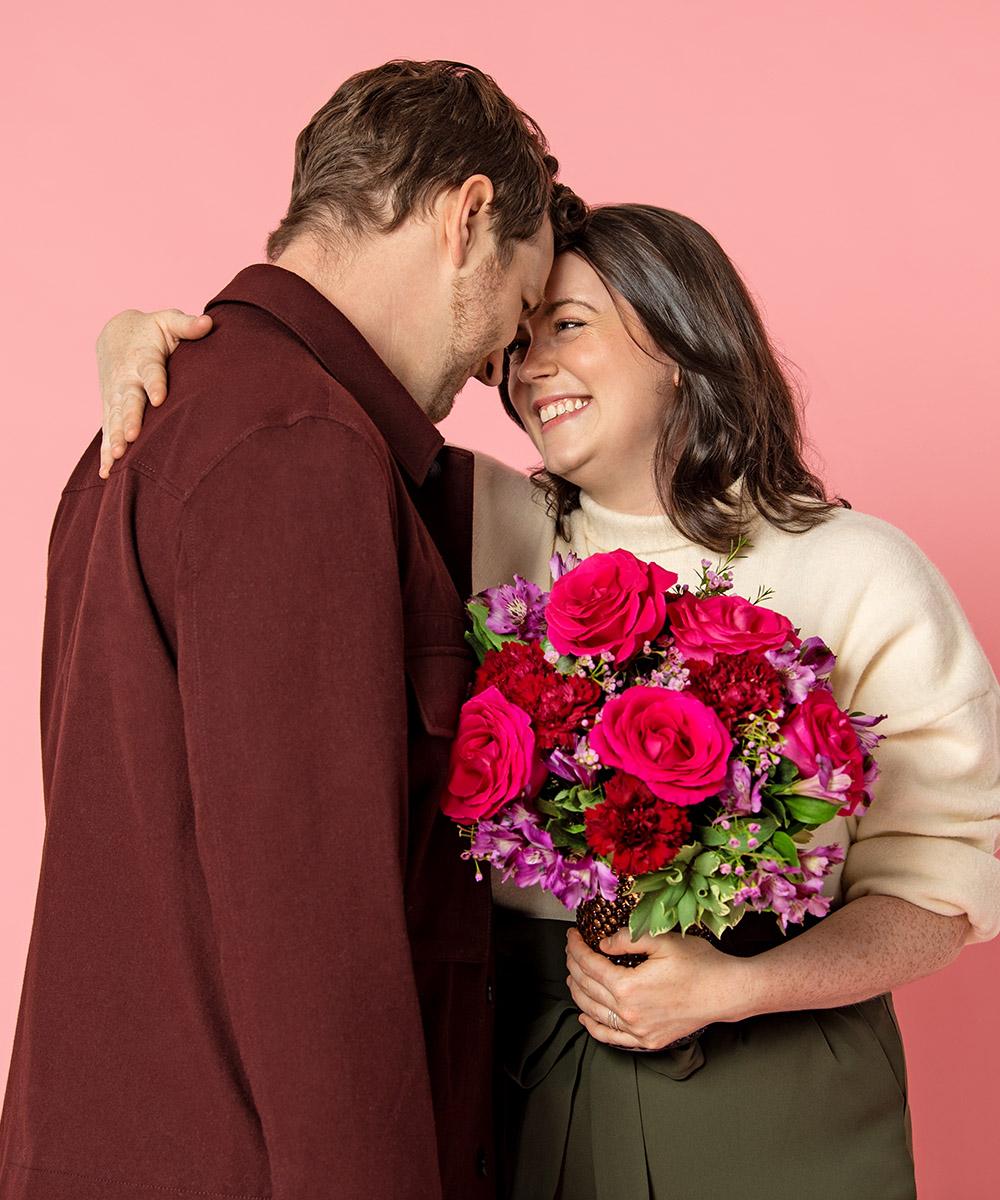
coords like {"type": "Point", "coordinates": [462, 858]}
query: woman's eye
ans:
{"type": "Point", "coordinates": [568, 324]}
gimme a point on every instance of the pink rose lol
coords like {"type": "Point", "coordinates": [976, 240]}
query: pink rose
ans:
{"type": "Point", "coordinates": [726, 625]}
{"type": "Point", "coordinates": [612, 602]}
{"type": "Point", "coordinates": [493, 758]}
{"type": "Point", "coordinates": [670, 740]}
{"type": "Point", "coordinates": [823, 744]}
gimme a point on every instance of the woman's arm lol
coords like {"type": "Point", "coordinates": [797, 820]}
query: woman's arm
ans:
{"type": "Point", "coordinates": [864, 948]}
{"type": "Point", "coordinates": [132, 353]}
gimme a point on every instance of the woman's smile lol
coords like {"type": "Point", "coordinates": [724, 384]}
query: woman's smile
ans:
{"type": "Point", "coordinates": [553, 410]}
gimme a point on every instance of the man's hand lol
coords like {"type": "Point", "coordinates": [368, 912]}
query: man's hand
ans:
{"type": "Point", "coordinates": [684, 984]}
{"type": "Point", "coordinates": [132, 353]}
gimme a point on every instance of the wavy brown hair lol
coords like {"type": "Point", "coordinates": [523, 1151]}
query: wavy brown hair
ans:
{"type": "Point", "coordinates": [734, 415]}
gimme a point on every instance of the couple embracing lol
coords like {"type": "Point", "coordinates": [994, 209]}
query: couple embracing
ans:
{"type": "Point", "coordinates": [258, 967]}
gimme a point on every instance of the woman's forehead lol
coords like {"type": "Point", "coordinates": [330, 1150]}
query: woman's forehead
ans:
{"type": "Point", "coordinates": [573, 276]}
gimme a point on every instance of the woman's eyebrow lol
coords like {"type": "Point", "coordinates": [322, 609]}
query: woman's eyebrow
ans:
{"type": "Point", "coordinates": [551, 307]}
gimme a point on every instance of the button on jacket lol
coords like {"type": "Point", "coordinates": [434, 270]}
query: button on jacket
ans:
{"type": "Point", "coordinates": [258, 967]}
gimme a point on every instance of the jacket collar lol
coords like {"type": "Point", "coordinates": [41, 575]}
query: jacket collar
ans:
{"type": "Point", "coordinates": [411, 436]}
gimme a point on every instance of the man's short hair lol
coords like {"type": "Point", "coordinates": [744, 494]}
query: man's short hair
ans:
{"type": "Point", "coordinates": [390, 139]}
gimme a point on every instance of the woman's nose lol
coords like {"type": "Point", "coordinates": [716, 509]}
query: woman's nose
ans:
{"type": "Point", "coordinates": [535, 364]}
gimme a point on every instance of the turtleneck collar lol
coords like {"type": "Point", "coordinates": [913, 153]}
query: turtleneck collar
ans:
{"type": "Point", "coordinates": [596, 529]}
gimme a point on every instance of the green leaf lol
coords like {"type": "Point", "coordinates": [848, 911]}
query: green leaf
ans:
{"type": "Point", "coordinates": [786, 772]}
{"type": "Point", "coordinates": [664, 920]}
{"type": "Point", "coordinates": [687, 853]}
{"type": "Point", "coordinates": [740, 830]}
{"type": "Point", "coordinates": [673, 893]}
{"type": "Point", "coordinates": [811, 811]}
{"type": "Point", "coordinates": [785, 848]}
{"type": "Point", "coordinates": [706, 863]}
{"type": "Point", "coordinates": [687, 910]}
{"type": "Point", "coordinates": [713, 923]}
{"type": "Point", "coordinates": [481, 637]}
{"type": "Point", "coordinates": [638, 921]}
{"type": "Point", "coordinates": [654, 881]}
{"type": "Point", "coordinates": [779, 807]}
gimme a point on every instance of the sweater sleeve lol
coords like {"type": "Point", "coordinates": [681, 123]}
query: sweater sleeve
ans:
{"type": "Point", "coordinates": [933, 828]}
{"type": "Point", "coordinates": [290, 653]}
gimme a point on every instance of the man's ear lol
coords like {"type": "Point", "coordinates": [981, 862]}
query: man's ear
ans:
{"type": "Point", "coordinates": [466, 214]}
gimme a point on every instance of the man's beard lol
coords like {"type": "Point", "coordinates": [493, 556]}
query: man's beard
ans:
{"type": "Point", "coordinates": [476, 332]}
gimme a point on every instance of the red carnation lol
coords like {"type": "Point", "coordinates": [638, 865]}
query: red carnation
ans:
{"type": "Point", "coordinates": [557, 704]}
{"type": "Point", "coordinates": [639, 831]}
{"type": "Point", "coordinates": [736, 686]}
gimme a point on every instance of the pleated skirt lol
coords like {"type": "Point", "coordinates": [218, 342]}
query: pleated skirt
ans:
{"type": "Point", "coordinates": [805, 1105]}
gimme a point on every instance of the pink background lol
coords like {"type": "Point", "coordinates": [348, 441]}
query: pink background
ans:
{"type": "Point", "coordinates": [844, 154]}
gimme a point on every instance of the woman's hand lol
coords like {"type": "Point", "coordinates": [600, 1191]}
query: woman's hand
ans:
{"type": "Point", "coordinates": [132, 353]}
{"type": "Point", "coordinates": [684, 984]}
{"type": "Point", "coordinates": [862, 949]}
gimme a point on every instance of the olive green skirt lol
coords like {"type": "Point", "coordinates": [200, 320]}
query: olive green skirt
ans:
{"type": "Point", "coordinates": [805, 1105]}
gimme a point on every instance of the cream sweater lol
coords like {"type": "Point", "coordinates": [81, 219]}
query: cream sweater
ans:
{"type": "Point", "coordinates": [903, 646]}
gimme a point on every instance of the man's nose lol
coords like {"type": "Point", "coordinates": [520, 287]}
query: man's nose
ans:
{"type": "Point", "coordinates": [491, 369]}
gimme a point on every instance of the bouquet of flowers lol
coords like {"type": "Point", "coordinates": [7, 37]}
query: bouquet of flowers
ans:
{"type": "Point", "coordinates": [631, 739]}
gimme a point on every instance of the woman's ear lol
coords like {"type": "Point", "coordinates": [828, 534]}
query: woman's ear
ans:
{"type": "Point", "coordinates": [466, 217]}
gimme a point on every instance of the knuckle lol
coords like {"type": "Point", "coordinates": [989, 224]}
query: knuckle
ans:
{"type": "Point", "coordinates": [111, 326]}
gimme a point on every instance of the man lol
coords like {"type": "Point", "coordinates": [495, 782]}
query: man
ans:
{"type": "Point", "coordinates": [258, 967]}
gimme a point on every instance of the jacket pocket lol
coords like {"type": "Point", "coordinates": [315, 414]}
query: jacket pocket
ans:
{"type": "Point", "coordinates": [439, 669]}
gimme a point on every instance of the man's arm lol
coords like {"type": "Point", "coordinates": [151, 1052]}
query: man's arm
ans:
{"type": "Point", "coordinates": [291, 664]}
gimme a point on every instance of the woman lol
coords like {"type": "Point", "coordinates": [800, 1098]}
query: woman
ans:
{"type": "Point", "coordinates": [665, 425]}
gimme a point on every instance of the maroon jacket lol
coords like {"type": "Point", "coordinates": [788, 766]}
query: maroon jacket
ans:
{"type": "Point", "coordinates": [258, 967]}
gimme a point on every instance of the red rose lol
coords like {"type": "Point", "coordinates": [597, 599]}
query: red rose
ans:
{"type": "Point", "coordinates": [736, 686]}
{"type": "Point", "coordinates": [637, 830]}
{"type": "Point", "coordinates": [493, 758]}
{"type": "Point", "coordinates": [670, 740]}
{"type": "Point", "coordinates": [612, 602]}
{"type": "Point", "coordinates": [557, 704]}
{"type": "Point", "coordinates": [823, 743]}
{"type": "Point", "coordinates": [726, 625]}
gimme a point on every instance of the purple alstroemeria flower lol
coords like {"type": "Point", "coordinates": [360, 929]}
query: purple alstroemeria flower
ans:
{"type": "Point", "coordinates": [517, 608]}
{"type": "Point", "coordinates": [829, 783]}
{"type": "Point", "coordinates": [572, 881]}
{"type": "Point", "coordinates": [570, 768]}
{"type": "Point", "coordinates": [791, 892]}
{"type": "Point", "coordinates": [804, 667]}
{"type": "Point", "coordinates": [815, 654]}
{"type": "Point", "coordinates": [523, 852]}
{"type": "Point", "coordinates": [741, 795]}
{"type": "Point", "coordinates": [559, 566]}
{"type": "Point", "coordinates": [863, 725]}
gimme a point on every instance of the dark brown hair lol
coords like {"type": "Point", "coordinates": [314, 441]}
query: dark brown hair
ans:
{"type": "Point", "coordinates": [734, 414]}
{"type": "Point", "coordinates": [391, 138]}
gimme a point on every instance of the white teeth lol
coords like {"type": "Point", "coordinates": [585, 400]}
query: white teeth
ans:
{"type": "Point", "coordinates": [561, 407]}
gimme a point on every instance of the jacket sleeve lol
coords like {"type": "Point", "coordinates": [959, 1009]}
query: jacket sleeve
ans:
{"type": "Point", "coordinates": [934, 824]}
{"type": "Point", "coordinates": [290, 656]}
